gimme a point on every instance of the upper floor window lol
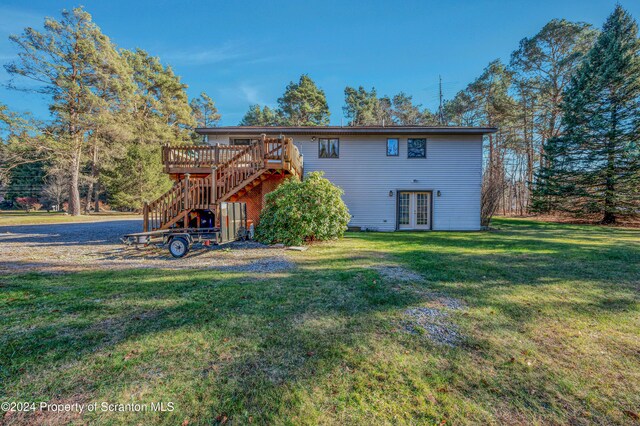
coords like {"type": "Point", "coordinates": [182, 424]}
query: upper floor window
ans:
{"type": "Point", "coordinates": [416, 148]}
{"type": "Point", "coordinates": [393, 147]}
{"type": "Point", "coordinates": [328, 148]}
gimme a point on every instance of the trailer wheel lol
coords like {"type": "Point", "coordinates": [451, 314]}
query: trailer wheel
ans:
{"type": "Point", "coordinates": [178, 247]}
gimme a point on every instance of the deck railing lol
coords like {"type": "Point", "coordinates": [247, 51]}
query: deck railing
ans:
{"type": "Point", "coordinates": [273, 151]}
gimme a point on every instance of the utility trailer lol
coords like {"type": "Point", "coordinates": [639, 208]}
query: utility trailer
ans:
{"type": "Point", "coordinates": [233, 227]}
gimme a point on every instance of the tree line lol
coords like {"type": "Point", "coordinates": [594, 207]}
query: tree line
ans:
{"type": "Point", "coordinates": [112, 110]}
{"type": "Point", "coordinates": [305, 104]}
{"type": "Point", "coordinates": [568, 118]}
{"type": "Point", "coordinates": [565, 106]}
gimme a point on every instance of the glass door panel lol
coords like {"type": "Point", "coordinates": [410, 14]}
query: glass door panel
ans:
{"type": "Point", "coordinates": [404, 210]}
{"type": "Point", "coordinates": [414, 210]}
{"type": "Point", "coordinates": [422, 210]}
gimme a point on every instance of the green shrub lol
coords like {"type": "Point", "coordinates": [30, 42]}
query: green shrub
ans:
{"type": "Point", "coordinates": [311, 210]}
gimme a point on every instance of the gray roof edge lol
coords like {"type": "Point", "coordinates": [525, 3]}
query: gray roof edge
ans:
{"type": "Point", "coordinates": [399, 130]}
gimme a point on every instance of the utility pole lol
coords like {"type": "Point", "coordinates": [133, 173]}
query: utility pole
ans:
{"type": "Point", "coordinates": [440, 112]}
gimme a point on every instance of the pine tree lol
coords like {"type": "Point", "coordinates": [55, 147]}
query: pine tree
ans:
{"type": "Point", "coordinates": [363, 108]}
{"type": "Point", "coordinates": [366, 109]}
{"type": "Point", "coordinates": [257, 116]}
{"type": "Point", "coordinates": [304, 104]}
{"type": "Point", "coordinates": [406, 113]}
{"type": "Point", "coordinates": [70, 59]}
{"type": "Point", "coordinates": [594, 167]}
{"type": "Point", "coordinates": [545, 64]}
{"type": "Point", "coordinates": [205, 112]}
{"type": "Point", "coordinates": [159, 114]}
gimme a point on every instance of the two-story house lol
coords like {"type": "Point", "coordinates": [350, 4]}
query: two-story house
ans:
{"type": "Point", "coordinates": [394, 178]}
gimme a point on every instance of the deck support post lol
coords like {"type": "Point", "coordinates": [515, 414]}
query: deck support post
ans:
{"type": "Point", "coordinates": [186, 190]}
{"type": "Point", "coordinates": [214, 194]}
{"type": "Point", "coordinates": [214, 184]}
{"type": "Point", "coordinates": [145, 217]}
{"type": "Point", "coordinates": [283, 151]}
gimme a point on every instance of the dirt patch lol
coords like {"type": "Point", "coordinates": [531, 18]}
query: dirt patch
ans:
{"type": "Point", "coordinates": [398, 273]}
{"type": "Point", "coordinates": [71, 247]}
{"type": "Point", "coordinates": [434, 321]}
{"type": "Point", "coordinates": [265, 265]}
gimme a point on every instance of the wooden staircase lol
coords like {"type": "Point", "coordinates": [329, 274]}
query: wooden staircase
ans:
{"type": "Point", "coordinates": [208, 175]}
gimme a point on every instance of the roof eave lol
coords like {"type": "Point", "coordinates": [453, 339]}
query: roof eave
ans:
{"type": "Point", "coordinates": [244, 130]}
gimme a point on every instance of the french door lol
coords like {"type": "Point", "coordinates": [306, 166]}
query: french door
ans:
{"type": "Point", "coordinates": [414, 210]}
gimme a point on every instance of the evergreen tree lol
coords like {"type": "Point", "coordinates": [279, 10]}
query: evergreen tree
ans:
{"type": "Point", "coordinates": [26, 180]}
{"type": "Point", "coordinates": [7, 123]}
{"type": "Point", "coordinates": [111, 126]}
{"type": "Point", "coordinates": [364, 108]}
{"type": "Point", "coordinates": [304, 104]}
{"type": "Point", "coordinates": [257, 116]}
{"type": "Point", "coordinates": [461, 110]}
{"type": "Point", "coordinates": [205, 112]}
{"type": "Point", "coordinates": [406, 113]}
{"type": "Point", "coordinates": [138, 176]}
{"type": "Point", "coordinates": [5, 117]}
{"type": "Point", "coordinates": [24, 154]}
{"type": "Point", "coordinates": [546, 62]}
{"type": "Point", "coordinates": [595, 165]}
{"type": "Point", "coordinates": [161, 110]}
{"type": "Point", "coordinates": [70, 59]}
{"type": "Point", "coordinates": [543, 66]}
{"type": "Point", "coordinates": [159, 114]}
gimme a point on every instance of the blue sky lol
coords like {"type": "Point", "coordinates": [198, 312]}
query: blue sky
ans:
{"type": "Point", "coordinates": [246, 52]}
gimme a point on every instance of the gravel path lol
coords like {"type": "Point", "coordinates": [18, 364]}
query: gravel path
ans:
{"type": "Point", "coordinates": [434, 320]}
{"type": "Point", "coordinates": [86, 246]}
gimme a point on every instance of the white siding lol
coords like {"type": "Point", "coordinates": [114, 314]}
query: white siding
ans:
{"type": "Point", "coordinates": [453, 166]}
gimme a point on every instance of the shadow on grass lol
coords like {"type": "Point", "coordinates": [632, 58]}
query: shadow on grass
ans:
{"type": "Point", "coordinates": [271, 335]}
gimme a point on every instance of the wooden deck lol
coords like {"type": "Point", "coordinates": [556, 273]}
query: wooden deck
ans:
{"type": "Point", "coordinates": [273, 154]}
{"type": "Point", "coordinates": [208, 175]}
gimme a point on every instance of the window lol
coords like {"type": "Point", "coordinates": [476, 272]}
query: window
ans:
{"type": "Point", "coordinates": [416, 148]}
{"type": "Point", "coordinates": [392, 147]}
{"type": "Point", "coordinates": [328, 148]}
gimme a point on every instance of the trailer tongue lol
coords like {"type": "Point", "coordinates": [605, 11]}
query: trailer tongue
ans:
{"type": "Point", "coordinates": [232, 227]}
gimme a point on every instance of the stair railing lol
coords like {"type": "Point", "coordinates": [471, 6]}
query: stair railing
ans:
{"type": "Point", "coordinates": [232, 168]}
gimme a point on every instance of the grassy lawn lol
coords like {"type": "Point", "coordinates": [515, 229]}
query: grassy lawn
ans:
{"type": "Point", "coordinates": [14, 217]}
{"type": "Point", "coordinates": [549, 333]}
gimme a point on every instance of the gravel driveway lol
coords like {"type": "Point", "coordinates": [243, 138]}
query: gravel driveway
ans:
{"type": "Point", "coordinates": [84, 246]}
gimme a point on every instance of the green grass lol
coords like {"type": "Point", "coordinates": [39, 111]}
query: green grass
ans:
{"type": "Point", "coordinates": [15, 217]}
{"type": "Point", "coordinates": [551, 334]}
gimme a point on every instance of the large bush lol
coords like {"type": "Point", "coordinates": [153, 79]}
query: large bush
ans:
{"type": "Point", "coordinates": [311, 210]}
